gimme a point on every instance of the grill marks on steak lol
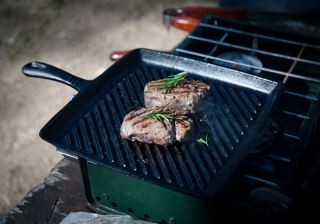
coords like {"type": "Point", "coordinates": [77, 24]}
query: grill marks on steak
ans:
{"type": "Point", "coordinates": [187, 97]}
{"type": "Point", "coordinates": [150, 131]}
{"type": "Point", "coordinates": [184, 129]}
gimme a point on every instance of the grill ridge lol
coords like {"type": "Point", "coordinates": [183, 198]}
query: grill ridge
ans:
{"type": "Point", "coordinates": [127, 150]}
{"type": "Point", "coordinates": [95, 139]}
{"type": "Point", "coordinates": [225, 108]}
{"type": "Point", "coordinates": [183, 167]}
{"type": "Point", "coordinates": [221, 130]}
{"type": "Point", "coordinates": [129, 92]}
{"type": "Point", "coordinates": [211, 147]}
{"type": "Point", "coordinates": [108, 131]}
{"type": "Point", "coordinates": [155, 74]}
{"type": "Point", "coordinates": [173, 167]}
{"type": "Point", "coordinates": [138, 89]}
{"type": "Point", "coordinates": [218, 143]}
{"type": "Point", "coordinates": [226, 124]}
{"type": "Point", "coordinates": [256, 100]}
{"type": "Point", "coordinates": [84, 136]}
{"type": "Point", "coordinates": [247, 101]}
{"type": "Point", "coordinates": [199, 162]}
{"type": "Point", "coordinates": [126, 100]}
{"type": "Point", "coordinates": [152, 162]}
{"type": "Point", "coordinates": [141, 77]}
{"type": "Point", "coordinates": [208, 158]}
{"type": "Point", "coordinates": [163, 74]}
{"type": "Point", "coordinates": [75, 135]}
{"type": "Point", "coordinates": [240, 104]}
{"type": "Point", "coordinates": [145, 74]}
{"type": "Point", "coordinates": [223, 135]}
{"type": "Point", "coordinates": [139, 158]}
{"type": "Point", "coordinates": [114, 136]}
{"type": "Point", "coordinates": [162, 164]}
{"type": "Point", "coordinates": [233, 107]}
{"type": "Point", "coordinates": [89, 137]}
{"type": "Point", "coordinates": [192, 167]}
{"type": "Point", "coordinates": [68, 140]}
{"type": "Point", "coordinates": [102, 133]}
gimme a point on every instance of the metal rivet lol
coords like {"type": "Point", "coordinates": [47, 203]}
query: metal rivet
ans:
{"type": "Point", "coordinates": [105, 196]}
{"type": "Point", "coordinates": [172, 220]}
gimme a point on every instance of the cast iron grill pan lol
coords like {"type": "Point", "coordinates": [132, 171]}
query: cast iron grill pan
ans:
{"type": "Point", "coordinates": [89, 125]}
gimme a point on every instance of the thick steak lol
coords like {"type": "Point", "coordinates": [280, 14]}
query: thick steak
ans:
{"type": "Point", "coordinates": [150, 131]}
{"type": "Point", "coordinates": [186, 98]}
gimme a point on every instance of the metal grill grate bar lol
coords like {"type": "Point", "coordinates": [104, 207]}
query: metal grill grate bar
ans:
{"type": "Point", "coordinates": [253, 50]}
{"type": "Point", "coordinates": [296, 115]}
{"type": "Point", "coordinates": [231, 30]}
{"type": "Point", "coordinates": [248, 66]}
{"type": "Point", "coordinates": [302, 95]}
{"type": "Point", "coordinates": [216, 47]}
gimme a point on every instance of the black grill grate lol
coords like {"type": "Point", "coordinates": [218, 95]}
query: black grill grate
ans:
{"type": "Point", "coordinates": [290, 58]}
{"type": "Point", "coordinates": [191, 167]}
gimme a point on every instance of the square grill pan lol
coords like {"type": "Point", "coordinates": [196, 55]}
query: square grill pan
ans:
{"type": "Point", "coordinates": [89, 125]}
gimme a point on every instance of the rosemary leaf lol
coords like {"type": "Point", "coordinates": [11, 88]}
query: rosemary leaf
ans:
{"type": "Point", "coordinates": [200, 140]}
{"type": "Point", "coordinates": [159, 114]}
{"type": "Point", "coordinates": [133, 106]}
{"type": "Point", "coordinates": [172, 80]}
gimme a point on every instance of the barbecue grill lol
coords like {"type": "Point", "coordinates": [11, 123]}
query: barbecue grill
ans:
{"type": "Point", "coordinates": [292, 59]}
{"type": "Point", "coordinates": [260, 155]}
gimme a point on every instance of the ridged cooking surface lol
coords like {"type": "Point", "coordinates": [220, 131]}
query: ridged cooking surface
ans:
{"type": "Point", "coordinates": [190, 167]}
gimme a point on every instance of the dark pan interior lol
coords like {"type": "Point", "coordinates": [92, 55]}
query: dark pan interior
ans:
{"type": "Point", "coordinates": [89, 126]}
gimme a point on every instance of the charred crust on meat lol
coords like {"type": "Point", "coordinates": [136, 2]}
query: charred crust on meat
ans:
{"type": "Point", "coordinates": [186, 97]}
{"type": "Point", "coordinates": [148, 130]}
{"type": "Point", "coordinates": [139, 121]}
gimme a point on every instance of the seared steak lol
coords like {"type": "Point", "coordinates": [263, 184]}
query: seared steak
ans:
{"type": "Point", "coordinates": [186, 98]}
{"type": "Point", "coordinates": [184, 129]}
{"type": "Point", "coordinates": [147, 130]}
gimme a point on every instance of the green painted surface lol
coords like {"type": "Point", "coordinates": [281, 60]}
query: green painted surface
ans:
{"type": "Point", "coordinates": [113, 190]}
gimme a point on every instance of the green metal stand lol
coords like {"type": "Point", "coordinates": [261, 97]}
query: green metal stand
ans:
{"type": "Point", "coordinates": [118, 193]}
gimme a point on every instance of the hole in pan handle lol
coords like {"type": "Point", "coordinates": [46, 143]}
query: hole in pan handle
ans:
{"type": "Point", "coordinates": [45, 71]}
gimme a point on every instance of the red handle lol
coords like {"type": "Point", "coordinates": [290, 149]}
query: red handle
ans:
{"type": "Point", "coordinates": [238, 13]}
{"type": "Point", "coordinates": [185, 23]}
{"type": "Point", "coordinates": [115, 56]}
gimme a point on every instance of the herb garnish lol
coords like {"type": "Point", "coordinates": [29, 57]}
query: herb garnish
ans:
{"type": "Point", "coordinates": [158, 115]}
{"type": "Point", "coordinates": [200, 140]}
{"type": "Point", "coordinates": [133, 106]}
{"type": "Point", "coordinates": [171, 80]}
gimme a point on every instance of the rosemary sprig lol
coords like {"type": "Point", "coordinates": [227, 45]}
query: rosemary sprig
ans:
{"type": "Point", "coordinates": [172, 80]}
{"type": "Point", "coordinates": [200, 140]}
{"type": "Point", "coordinates": [159, 115]}
{"type": "Point", "coordinates": [133, 106]}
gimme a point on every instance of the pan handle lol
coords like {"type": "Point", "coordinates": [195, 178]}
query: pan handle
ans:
{"type": "Point", "coordinates": [45, 71]}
